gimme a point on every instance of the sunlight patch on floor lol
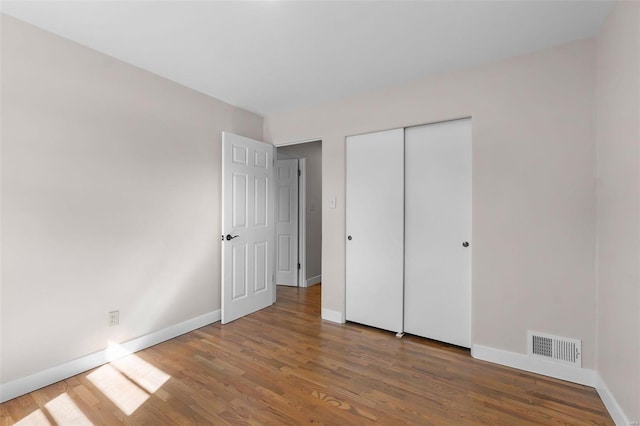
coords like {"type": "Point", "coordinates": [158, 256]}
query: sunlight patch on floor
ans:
{"type": "Point", "coordinates": [37, 418]}
{"type": "Point", "coordinates": [129, 380]}
{"type": "Point", "coordinates": [65, 412]}
{"type": "Point", "coordinates": [125, 394]}
{"type": "Point", "coordinates": [141, 372]}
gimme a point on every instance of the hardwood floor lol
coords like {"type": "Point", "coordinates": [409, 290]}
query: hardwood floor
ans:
{"type": "Point", "coordinates": [284, 365]}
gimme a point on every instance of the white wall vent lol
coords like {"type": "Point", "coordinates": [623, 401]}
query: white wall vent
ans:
{"type": "Point", "coordinates": [554, 348]}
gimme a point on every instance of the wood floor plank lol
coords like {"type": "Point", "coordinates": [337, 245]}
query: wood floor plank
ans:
{"type": "Point", "coordinates": [285, 366]}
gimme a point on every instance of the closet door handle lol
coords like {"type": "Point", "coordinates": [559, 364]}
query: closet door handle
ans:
{"type": "Point", "coordinates": [349, 238]}
{"type": "Point", "coordinates": [465, 244]}
{"type": "Point", "coordinates": [229, 237]}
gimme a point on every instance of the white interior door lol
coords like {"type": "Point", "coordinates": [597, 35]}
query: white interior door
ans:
{"type": "Point", "coordinates": [438, 224]}
{"type": "Point", "coordinates": [248, 226]}
{"type": "Point", "coordinates": [375, 228]}
{"type": "Point", "coordinates": [286, 176]}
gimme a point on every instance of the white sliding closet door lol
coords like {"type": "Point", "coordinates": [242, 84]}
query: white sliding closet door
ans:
{"type": "Point", "coordinates": [437, 301]}
{"type": "Point", "coordinates": [375, 229]}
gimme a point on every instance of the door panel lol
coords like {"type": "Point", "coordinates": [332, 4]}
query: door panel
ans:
{"type": "Point", "coordinates": [437, 222]}
{"type": "Point", "coordinates": [261, 269]}
{"type": "Point", "coordinates": [239, 200]}
{"type": "Point", "coordinates": [287, 222]}
{"type": "Point", "coordinates": [261, 195]}
{"type": "Point", "coordinates": [284, 204]}
{"type": "Point", "coordinates": [247, 212]}
{"type": "Point", "coordinates": [239, 280]}
{"type": "Point", "coordinates": [375, 222]}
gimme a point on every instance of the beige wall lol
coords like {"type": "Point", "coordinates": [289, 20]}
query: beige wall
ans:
{"type": "Point", "coordinates": [619, 206]}
{"type": "Point", "coordinates": [312, 151]}
{"type": "Point", "coordinates": [533, 185]}
{"type": "Point", "coordinates": [110, 199]}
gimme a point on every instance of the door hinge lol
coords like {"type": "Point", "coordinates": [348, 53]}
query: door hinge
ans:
{"type": "Point", "coordinates": [298, 266]}
{"type": "Point", "coordinates": [299, 172]}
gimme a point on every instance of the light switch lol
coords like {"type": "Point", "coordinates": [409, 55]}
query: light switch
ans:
{"type": "Point", "coordinates": [332, 202]}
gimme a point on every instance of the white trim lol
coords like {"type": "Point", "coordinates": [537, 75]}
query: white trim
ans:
{"type": "Point", "coordinates": [615, 411]}
{"type": "Point", "coordinates": [333, 316]}
{"type": "Point", "coordinates": [60, 372]}
{"type": "Point", "coordinates": [583, 376]}
{"type": "Point", "coordinates": [302, 222]}
{"type": "Point", "coordinates": [297, 142]}
{"type": "Point", "coordinates": [313, 280]}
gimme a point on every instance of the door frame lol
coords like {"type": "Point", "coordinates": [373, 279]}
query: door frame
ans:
{"type": "Point", "coordinates": [302, 222]}
{"type": "Point", "coordinates": [302, 199]}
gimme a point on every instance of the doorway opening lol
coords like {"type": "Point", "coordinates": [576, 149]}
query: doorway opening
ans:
{"type": "Point", "coordinates": [299, 246]}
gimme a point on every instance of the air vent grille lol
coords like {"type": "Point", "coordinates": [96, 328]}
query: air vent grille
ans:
{"type": "Point", "coordinates": [555, 348]}
{"type": "Point", "coordinates": [542, 346]}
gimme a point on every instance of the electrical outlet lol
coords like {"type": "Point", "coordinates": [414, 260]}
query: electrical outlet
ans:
{"type": "Point", "coordinates": [114, 318]}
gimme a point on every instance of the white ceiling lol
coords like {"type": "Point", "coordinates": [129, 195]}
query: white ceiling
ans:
{"type": "Point", "coordinates": [269, 56]}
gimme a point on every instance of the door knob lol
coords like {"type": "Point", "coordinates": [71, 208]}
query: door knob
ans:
{"type": "Point", "coordinates": [465, 244]}
{"type": "Point", "coordinates": [349, 238]}
{"type": "Point", "coordinates": [229, 237]}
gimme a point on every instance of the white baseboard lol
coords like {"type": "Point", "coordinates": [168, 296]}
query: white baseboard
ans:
{"type": "Point", "coordinates": [333, 316]}
{"type": "Point", "coordinates": [615, 411]}
{"type": "Point", "coordinates": [314, 280]}
{"type": "Point", "coordinates": [583, 376]}
{"type": "Point", "coordinates": [60, 372]}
